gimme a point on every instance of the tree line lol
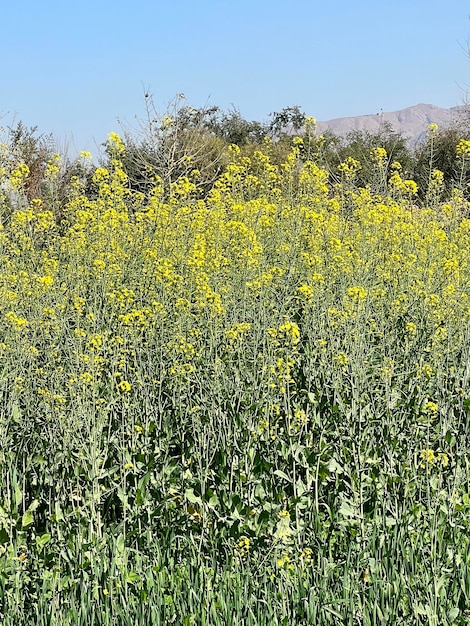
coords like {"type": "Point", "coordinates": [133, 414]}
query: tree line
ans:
{"type": "Point", "coordinates": [183, 139]}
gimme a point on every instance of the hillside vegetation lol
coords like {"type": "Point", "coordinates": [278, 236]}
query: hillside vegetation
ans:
{"type": "Point", "coordinates": [234, 382]}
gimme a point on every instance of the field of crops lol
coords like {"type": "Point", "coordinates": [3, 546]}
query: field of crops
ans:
{"type": "Point", "coordinates": [247, 408]}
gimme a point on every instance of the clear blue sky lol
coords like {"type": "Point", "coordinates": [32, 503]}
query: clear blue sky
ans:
{"type": "Point", "coordinates": [75, 68]}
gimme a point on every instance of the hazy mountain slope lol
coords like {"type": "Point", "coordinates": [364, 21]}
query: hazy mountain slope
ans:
{"type": "Point", "coordinates": [412, 122]}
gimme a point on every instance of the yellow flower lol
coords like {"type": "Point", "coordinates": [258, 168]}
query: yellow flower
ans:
{"type": "Point", "coordinates": [53, 166]}
{"type": "Point", "coordinates": [306, 555]}
{"type": "Point", "coordinates": [429, 408]}
{"type": "Point", "coordinates": [283, 561]}
{"type": "Point", "coordinates": [349, 168]}
{"type": "Point", "coordinates": [378, 155]}
{"type": "Point", "coordinates": [306, 292]}
{"type": "Point", "coordinates": [166, 123]}
{"type": "Point", "coordinates": [18, 175]}
{"type": "Point", "coordinates": [115, 143]}
{"type": "Point", "coordinates": [357, 293]}
{"type": "Point", "coordinates": [428, 456]}
{"type": "Point", "coordinates": [438, 177]}
{"type": "Point", "coordinates": [16, 322]}
{"type": "Point", "coordinates": [243, 547]}
{"type": "Point", "coordinates": [406, 187]}
{"type": "Point", "coordinates": [443, 459]}
{"type": "Point", "coordinates": [100, 175]}
{"type": "Point", "coordinates": [463, 148]}
{"type": "Point", "coordinates": [342, 359]}
{"type": "Point", "coordinates": [291, 332]}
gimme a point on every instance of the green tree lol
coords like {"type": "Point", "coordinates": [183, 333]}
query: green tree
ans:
{"type": "Point", "coordinates": [439, 152]}
{"type": "Point", "coordinates": [361, 146]}
{"type": "Point", "coordinates": [176, 143]}
{"type": "Point", "coordinates": [289, 121]}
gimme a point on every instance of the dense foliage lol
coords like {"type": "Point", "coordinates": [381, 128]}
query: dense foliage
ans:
{"type": "Point", "coordinates": [246, 403]}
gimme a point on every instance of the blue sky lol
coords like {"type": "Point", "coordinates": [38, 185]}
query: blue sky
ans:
{"type": "Point", "coordinates": [75, 69]}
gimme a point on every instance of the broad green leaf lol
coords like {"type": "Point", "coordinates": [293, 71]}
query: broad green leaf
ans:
{"type": "Point", "coordinates": [453, 613]}
{"type": "Point", "coordinates": [334, 467]}
{"type": "Point", "coordinates": [191, 496]}
{"type": "Point", "coordinates": [120, 543]}
{"type": "Point", "coordinates": [27, 518]}
{"type": "Point", "coordinates": [16, 413]}
{"type": "Point", "coordinates": [348, 510]}
{"type": "Point", "coordinates": [132, 577]}
{"type": "Point", "coordinates": [282, 474]}
{"type": "Point", "coordinates": [41, 540]}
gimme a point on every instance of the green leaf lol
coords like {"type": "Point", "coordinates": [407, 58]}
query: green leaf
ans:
{"type": "Point", "coordinates": [59, 514]}
{"type": "Point", "coordinates": [282, 474]}
{"type": "Point", "coordinates": [191, 496]}
{"type": "Point", "coordinates": [334, 467]}
{"type": "Point", "coordinates": [213, 501]}
{"type": "Point", "coordinates": [348, 510]}
{"type": "Point", "coordinates": [453, 613]}
{"type": "Point", "coordinates": [132, 577]}
{"type": "Point", "coordinates": [16, 413]}
{"type": "Point", "coordinates": [41, 540]}
{"type": "Point", "coordinates": [18, 496]}
{"type": "Point", "coordinates": [120, 544]}
{"type": "Point", "coordinates": [122, 495]}
{"type": "Point", "coordinates": [27, 518]}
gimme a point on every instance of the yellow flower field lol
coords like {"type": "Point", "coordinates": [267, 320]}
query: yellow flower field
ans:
{"type": "Point", "coordinates": [249, 405]}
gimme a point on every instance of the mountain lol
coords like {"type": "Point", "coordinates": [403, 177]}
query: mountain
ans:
{"type": "Point", "coordinates": [411, 122]}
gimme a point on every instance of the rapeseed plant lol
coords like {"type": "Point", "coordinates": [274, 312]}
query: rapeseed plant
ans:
{"type": "Point", "coordinates": [241, 390]}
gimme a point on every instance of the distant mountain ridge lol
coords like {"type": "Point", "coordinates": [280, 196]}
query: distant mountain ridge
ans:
{"type": "Point", "coordinates": [411, 122]}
